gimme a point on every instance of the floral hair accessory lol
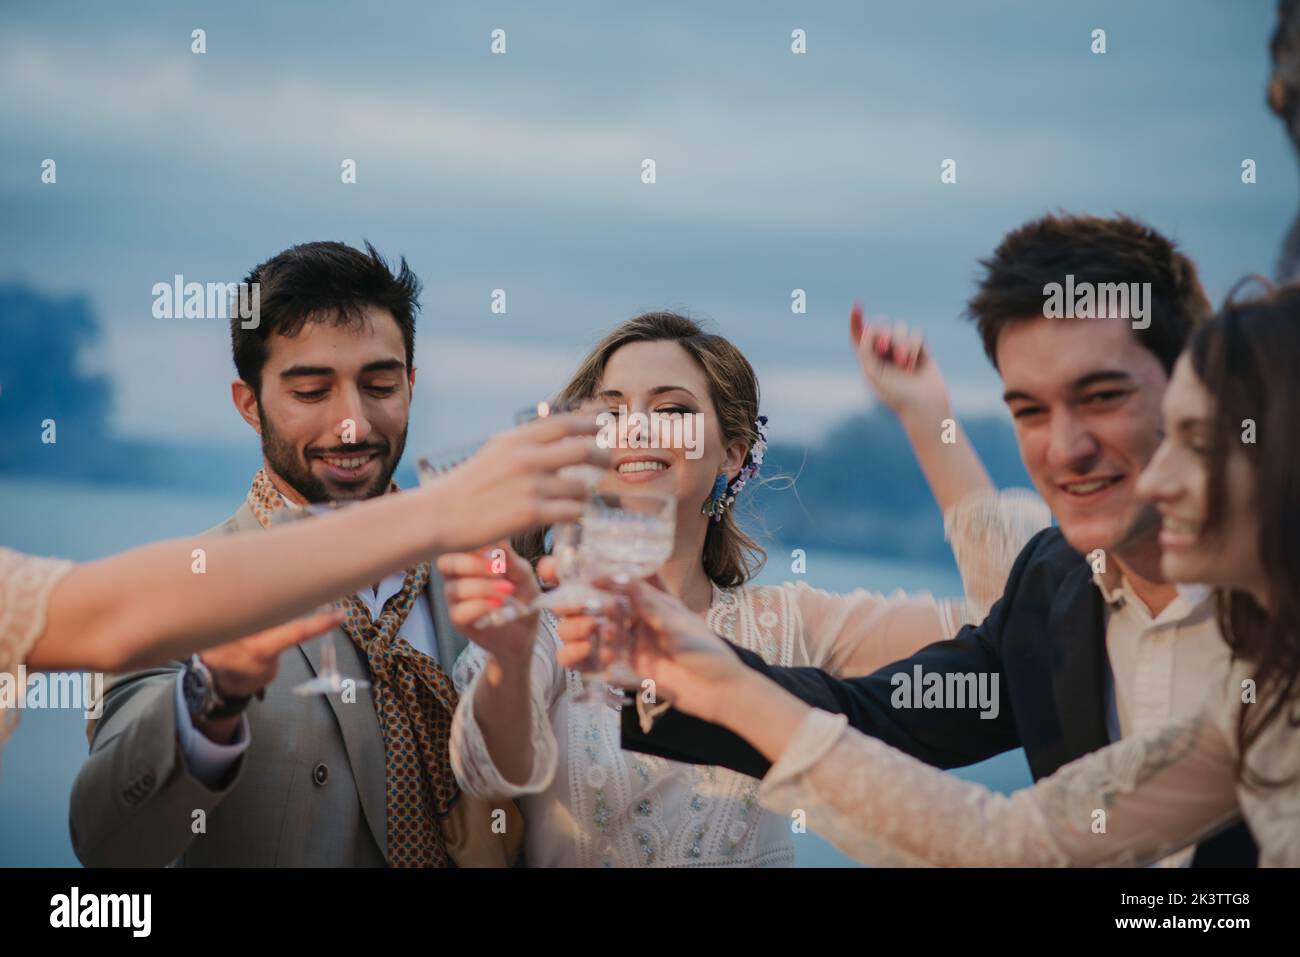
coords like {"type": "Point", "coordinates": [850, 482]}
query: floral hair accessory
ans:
{"type": "Point", "coordinates": [724, 493]}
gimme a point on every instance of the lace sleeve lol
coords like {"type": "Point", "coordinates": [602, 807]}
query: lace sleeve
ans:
{"type": "Point", "coordinates": [860, 631]}
{"type": "Point", "coordinates": [25, 586]}
{"type": "Point", "coordinates": [1130, 803]}
{"type": "Point", "coordinates": [471, 761]}
{"type": "Point", "coordinates": [857, 632]}
{"type": "Point", "coordinates": [987, 531]}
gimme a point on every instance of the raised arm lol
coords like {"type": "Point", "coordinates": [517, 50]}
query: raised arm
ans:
{"type": "Point", "coordinates": [904, 377]}
{"type": "Point", "coordinates": [151, 604]}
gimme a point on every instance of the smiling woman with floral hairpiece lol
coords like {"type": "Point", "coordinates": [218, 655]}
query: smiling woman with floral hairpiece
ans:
{"type": "Point", "coordinates": [519, 731]}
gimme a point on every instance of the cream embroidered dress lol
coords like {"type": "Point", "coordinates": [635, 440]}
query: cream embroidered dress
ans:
{"type": "Point", "coordinates": [25, 585]}
{"type": "Point", "coordinates": [588, 803]}
{"type": "Point", "coordinates": [1129, 804]}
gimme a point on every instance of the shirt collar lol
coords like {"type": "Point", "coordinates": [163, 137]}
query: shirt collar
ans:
{"type": "Point", "coordinates": [1110, 583]}
{"type": "Point", "coordinates": [1116, 592]}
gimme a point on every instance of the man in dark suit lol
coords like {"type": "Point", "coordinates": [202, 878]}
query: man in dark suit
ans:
{"type": "Point", "coordinates": [1089, 643]}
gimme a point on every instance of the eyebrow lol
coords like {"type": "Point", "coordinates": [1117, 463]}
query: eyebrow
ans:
{"type": "Point", "coordinates": [1078, 385]}
{"type": "Point", "coordinates": [657, 390]}
{"type": "Point", "coordinates": [379, 365]}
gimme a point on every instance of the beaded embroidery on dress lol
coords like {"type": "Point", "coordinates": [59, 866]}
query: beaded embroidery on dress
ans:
{"type": "Point", "coordinates": [638, 810]}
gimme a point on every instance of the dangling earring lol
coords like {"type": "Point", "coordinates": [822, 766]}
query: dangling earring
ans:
{"type": "Point", "coordinates": [716, 503]}
{"type": "Point", "coordinates": [724, 491]}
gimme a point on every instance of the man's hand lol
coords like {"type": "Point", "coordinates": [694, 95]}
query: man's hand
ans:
{"type": "Point", "coordinates": [247, 665]}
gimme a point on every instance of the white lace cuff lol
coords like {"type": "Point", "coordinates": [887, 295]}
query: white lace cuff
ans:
{"type": "Point", "coordinates": [812, 740]}
{"type": "Point", "coordinates": [987, 530]}
{"type": "Point", "coordinates": [472, 763]}
{"type": "Point", "coordinates": [25, 585]}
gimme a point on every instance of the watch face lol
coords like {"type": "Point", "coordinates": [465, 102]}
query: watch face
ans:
{"type": "Point", "coordinates": [195, 690]}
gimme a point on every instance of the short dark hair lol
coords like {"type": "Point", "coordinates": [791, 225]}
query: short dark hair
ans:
{"type": "Point", "coordinates": [1096, 250]}
{"type": "Point", "coordinates": [321, 282]}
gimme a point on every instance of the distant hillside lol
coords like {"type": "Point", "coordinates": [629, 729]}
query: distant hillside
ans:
{"type": "Point", "coordinates": [862, 490]}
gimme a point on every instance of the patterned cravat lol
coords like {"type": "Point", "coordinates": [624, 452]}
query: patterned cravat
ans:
{"type": "Point", "coordinates": [414, 700]}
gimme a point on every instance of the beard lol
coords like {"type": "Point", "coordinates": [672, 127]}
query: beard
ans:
{"type": "Point", "coordinates": [292, 466]}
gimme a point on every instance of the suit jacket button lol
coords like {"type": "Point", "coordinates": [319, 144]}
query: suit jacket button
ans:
{"type": "Point", "coordinates": [320, 774]}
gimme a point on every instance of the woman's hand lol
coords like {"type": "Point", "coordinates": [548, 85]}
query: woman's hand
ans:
{"type": "Point", "coordinates": [900, 371]}
{"type": "Point", "coordinates": [671, 646]}
{"type": "Point", "coordinates": [905, 377]}
{"type": "Point", "coordinates": [475, 585]}
{"type": "Point", "coordinates": [478, 582]}
{"type": "Point", "coordinates": [510, 484]}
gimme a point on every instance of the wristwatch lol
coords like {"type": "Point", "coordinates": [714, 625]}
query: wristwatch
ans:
{"type": "Point", "coordinates": [201, 695]}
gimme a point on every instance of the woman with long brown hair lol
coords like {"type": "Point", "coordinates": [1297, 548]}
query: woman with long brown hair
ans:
{"type": "Point", "coordinates": [1226, 484]}
{"type": "Point", "coordinates": [518, 732]}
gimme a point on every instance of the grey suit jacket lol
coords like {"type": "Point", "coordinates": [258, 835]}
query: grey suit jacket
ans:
{"type": "Point", "coordinates": [309, 790]}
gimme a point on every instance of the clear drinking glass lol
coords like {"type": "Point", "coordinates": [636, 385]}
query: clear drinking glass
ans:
{"type": "Point", "coordinates": [328, 679]}
{"type": "Point", "coordinates": [430, 468]}
{"type": "Point", "coordinates": [627, 536]}
{"type": "Point", "coordinates": [571, 591]}
{"type": "Point", "coordinates": [574, 589]}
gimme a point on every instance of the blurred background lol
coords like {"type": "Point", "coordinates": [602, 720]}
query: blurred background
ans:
{"type": "Point", "coordinates": [522, 172]}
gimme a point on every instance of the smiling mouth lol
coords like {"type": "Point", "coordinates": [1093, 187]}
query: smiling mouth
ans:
{"type": "Point", "coordinates": [645, 465]}
{"type": "Point", "coordinates": [641, 470]}
{"type": "Point", "coordinates": [1091, 485]}
{"type": "Point", "coordinates": [1179, 526]}
{"type": "Point", "coordinates": [348, 467]}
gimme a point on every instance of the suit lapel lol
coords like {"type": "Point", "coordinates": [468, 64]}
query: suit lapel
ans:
{"type": "Point", "coordinates": [359, 725]}
{"type": "Point", "coordinates": [1078, 630]}
{"type": "Point", "coordinates": [244, 520]}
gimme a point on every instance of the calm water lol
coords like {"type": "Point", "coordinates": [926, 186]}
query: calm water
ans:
{"type": "Point", "coordinates": [89, 521]}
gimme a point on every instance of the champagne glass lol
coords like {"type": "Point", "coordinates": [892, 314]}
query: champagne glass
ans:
{"type": "Point", "coordinates": [512, 609]}
{"type": "Point", "coordinates": [574, 589]}
{"type": "Point", "coordinates": [575, 572]}
{"type": "Point", "coordinates": [328, 680]}
{"type": "Point", "coordinates": [627, 536]}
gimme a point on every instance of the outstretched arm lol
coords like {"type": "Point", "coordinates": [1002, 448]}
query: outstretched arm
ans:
{"type": "Point", "coordinates": [1128, 804]}
{"type": "Point", "coordinates": [150, 604]}
{"type": "Point", "coordinates": [943, 737]}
